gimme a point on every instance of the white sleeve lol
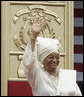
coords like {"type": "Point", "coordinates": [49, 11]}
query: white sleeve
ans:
{"type": "Point", "coordinates": [78, 92]}
{"type": "Point", "coordinates": [31, 66]}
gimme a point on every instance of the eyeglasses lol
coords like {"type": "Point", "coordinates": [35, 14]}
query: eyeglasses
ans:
{"type": "Point", "coordinates": [52, 57]}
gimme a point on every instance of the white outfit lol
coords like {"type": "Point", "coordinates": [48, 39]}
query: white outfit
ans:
{"type": "Point", "coordinates": [44, 84]}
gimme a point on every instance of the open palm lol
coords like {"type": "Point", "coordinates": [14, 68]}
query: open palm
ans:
{"type": "Point", "coordinates": [37, 26]}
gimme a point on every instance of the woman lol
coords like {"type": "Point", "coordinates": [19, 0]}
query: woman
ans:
{"type": "Point", "coordinates": [49, 80]}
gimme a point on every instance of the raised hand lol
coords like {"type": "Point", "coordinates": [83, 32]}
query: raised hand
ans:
{"type": "Point", "coordinates": [37, 26]}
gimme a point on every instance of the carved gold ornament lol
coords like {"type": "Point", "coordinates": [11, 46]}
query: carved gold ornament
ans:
{"type": "Point", "coordinates": [31, 12]}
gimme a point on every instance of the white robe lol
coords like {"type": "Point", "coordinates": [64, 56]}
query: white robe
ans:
{"type": "Point", "coordinates": [44, 84]}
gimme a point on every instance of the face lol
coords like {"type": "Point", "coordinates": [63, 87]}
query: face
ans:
{"type": "Point", "coordinates": [51, 61]}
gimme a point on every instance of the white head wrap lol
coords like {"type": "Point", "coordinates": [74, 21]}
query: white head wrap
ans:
{"type": "Point", "coordinates": [47, 46]}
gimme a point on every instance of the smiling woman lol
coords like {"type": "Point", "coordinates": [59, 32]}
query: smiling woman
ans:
{"type": "Point", "coordinates": [51, 63]}
{"type": "Point", "coordinates": [49, 80]}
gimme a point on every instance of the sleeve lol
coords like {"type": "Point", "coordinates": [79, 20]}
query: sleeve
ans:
{"type": "Point", "coordinates": [31, 66]}
{"type": "Point", "coordinates": [78, 92]}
